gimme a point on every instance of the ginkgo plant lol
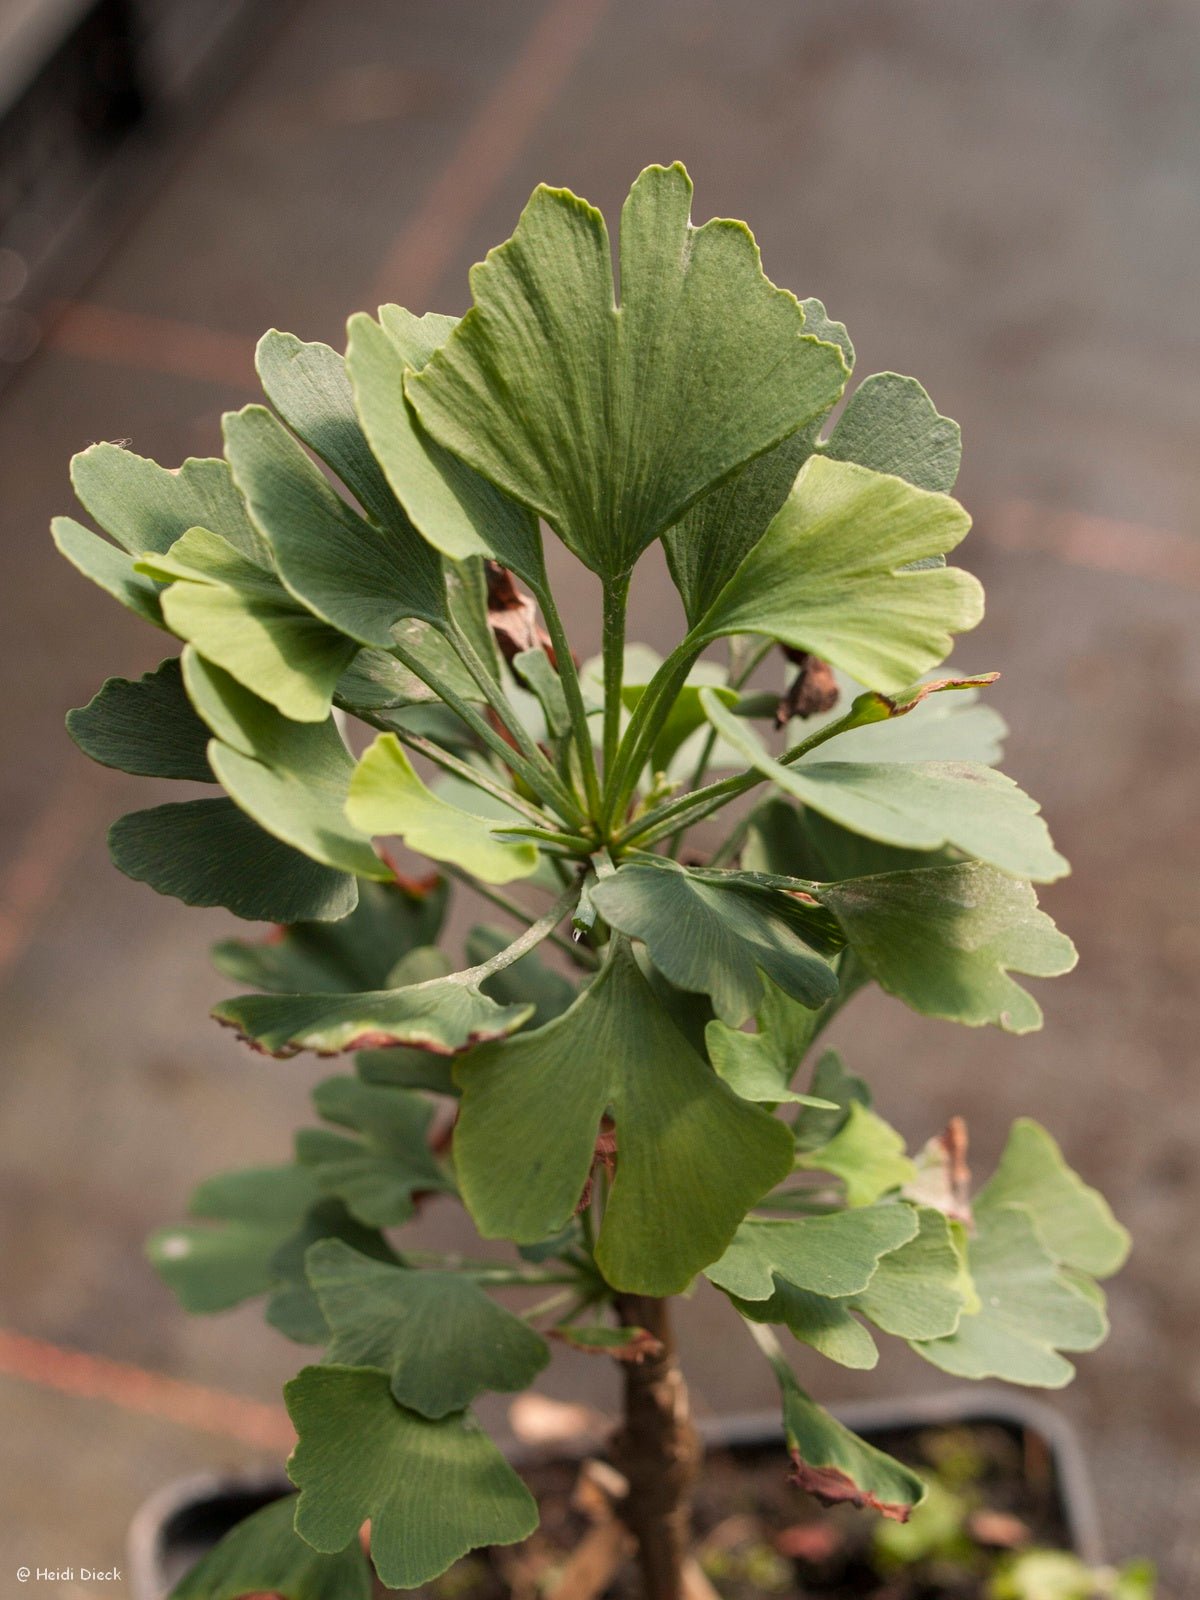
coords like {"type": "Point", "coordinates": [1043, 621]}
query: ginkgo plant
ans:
{"type": "Point", "coordinates": [366, 647]}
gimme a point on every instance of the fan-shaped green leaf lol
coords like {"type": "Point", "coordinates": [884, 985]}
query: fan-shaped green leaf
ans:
{"type": "Point", "coordinates": [432, 1490]}
{"type": "Point", "coordinates": [1030, 1310]}
{"type": "Point", "coordinates": [387, 797]}
{"type": "Point", "coordinates": [830, 1081]}
{"type": "Point", "coordinates": [1075, 1221]}
{"type": "Point", "coordinates": [760, 1065]}
{"type": "Point", "coordinates": [361, 577]}
{"type": "Point", "coordinates": [209, 853]}
{"type": "Point", "coordinates": [925, 806]}
{"type": "Point", "coordinates": [360, 951]}
{"type": "Point", "coordinates": [917, 1291]}
{"type": "Point", "coordinates": [833, 575]}
{"type": "Point", "coordinates": [442, 1014]}
{"type": "Point", "coordinates": [439, 1336]}
{"type": "Point", "coordinates": [944, 940]}
{"type": "Point", "coordinates": [816, 1320]}
{"type": "Point", "coordinates": [145, 726]}
{"type": "Point", "coordinates": [891, 425]}
{"type": "Point", "coordinates": [110, 569]}
{"type": "Point", "coordinates": [459, 512]}
{"type": "Point", "coordinates": [865, 1153]}
{"type": "Point", "coordinates": [593, 416]}
{"type": "Point", "coordinates": [216, 1263]}
{"type": "Point", "coordinates": [264, 1554]}
{"type": "Point", "coordinates": [691, 1159]}
{"type": "Point", "coordinates": [291, 777]}
{"type": "Point", "coordinates": [308, 386]}
{"type": "Point", "coordinates": [834, 1255]}
{"type": "Point", "coordinates": [377, 1175]}
{"type": "Point", "coordinates": [240, 617]}
{"type": "Point", "coordinates": [714, 937]}
{"type": "Point", "coordinates": [293, 1308]}
{"type": "Point", "coordinates": [145, 507]}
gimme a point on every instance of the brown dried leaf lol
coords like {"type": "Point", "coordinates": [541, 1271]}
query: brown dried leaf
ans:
{"type": "Point", "coordinates": [513, 616]}
{"type": "Point", "coordinates": [943, 1178]}
{"type": "Point", "coordinates": [813, 690]}
{"type": "Point", "coordinates": [833, 1487]}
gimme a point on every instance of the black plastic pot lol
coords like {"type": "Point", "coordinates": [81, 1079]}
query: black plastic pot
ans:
{"type": "Point", "coordinates": [180, 1523]}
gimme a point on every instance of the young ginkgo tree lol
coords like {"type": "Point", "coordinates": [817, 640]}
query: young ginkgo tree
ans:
{"type": "Point", "coordinates": [370, 650]}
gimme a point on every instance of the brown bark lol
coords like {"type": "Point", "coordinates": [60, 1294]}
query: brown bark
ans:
{"type": "Point", "coordinates": [659, 1451]}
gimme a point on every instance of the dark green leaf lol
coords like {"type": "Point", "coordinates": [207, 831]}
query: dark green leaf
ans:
{"type": "Point", "coordinates": [145, 726]}
{"type": "Point", "coordinates": [360, 577]}
{"type": "Point", "coordinates": [595, 417]}
{"type": "Point", "coordinates": [227, 1257]}
{"type": "Point", "coordinates": [891, 425]}
{"type": "Point", "coordinates": [360, 951]}
{"type": "Point", "coordinates": [431, 1490]}
{"type": "Point", "coordinates": [264, 1554]}
{"type": "Point", "coordinates": [308, 386]}
{"type": "Point", "coordinates": [443, 1015]}
{"type": "Point", "coordinates": [691, 1158]}
{"type": "Point", "coordinates": [209, 853]}
{"type": "Point", "coordinates": [945, 939]}
{"type": "Point", "coordinates": [292, 1308]}
{"type": "Point", "coordinates": [439, 1336]}
{"type": "Point", "coordinates": [377, 1175]}
{"type": "Point", "coordinates": [146, 507]}
{"type": "Point", "coordinates": [830, 1081]}
{"type": "Point", "coordinates": [716, 937]}
{"type": "Point", "coordinates": [760, 1065]}
{"type": "Point", "coordinates": [825, 1324]}
{"type": "Point", "coordinates": [459, 512]}
{"type": "Point", "coordinates": [833, 1255]}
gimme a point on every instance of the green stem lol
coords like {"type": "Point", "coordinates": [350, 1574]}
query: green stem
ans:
{"type": "Point", "coordinates": [616, 595]}
{"type": "Point", "coordinates": [665, 818]}
{"type": "Point", "coordinates": [736, 680]}
{"type": "Point", "coordinates": [645, 724]}
{"type": "Point", "coordinates": [534, 934]}
{"type": "Point", "coordinates": [551, 1303]}
{"type": "Point", "coordinates": [568, 676]}
{"type": "Point", "coordinates": [556, 791]}
{"type": "Point", "coordinates": [579, 954]}
{"type": "Point", "coordinates": [482, 729]}
{"type": "Point", "coordinates": [575, 842]}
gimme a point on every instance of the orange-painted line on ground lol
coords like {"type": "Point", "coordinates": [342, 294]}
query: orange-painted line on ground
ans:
{"type": "Point", "coordinates": [187, 1405]}
{"type": "Point", "coordinates": [34, 877]}
{"type": "Point", "coordinates": [1102, 543]}
{"type": "Point", "coordinates": [151, 344]}
{"type": "Point", "coordinates": [487, 150]}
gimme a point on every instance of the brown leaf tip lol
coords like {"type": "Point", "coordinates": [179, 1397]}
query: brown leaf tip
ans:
{"type": "Point", "coordinates": [833, 1487]}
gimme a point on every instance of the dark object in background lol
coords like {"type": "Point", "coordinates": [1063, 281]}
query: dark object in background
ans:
{"type": "Point", "coordinates": [93, 97]}
{"type": "Point", "coordinates": [186, 1519]}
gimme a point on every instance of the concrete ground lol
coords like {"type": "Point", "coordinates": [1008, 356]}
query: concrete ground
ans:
{"type": "Point", "coordinates": [1001, 199]}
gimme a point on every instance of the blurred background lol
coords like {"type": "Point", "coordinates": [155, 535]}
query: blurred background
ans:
{"type": "Point", "coordinates": [1003, 200]}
